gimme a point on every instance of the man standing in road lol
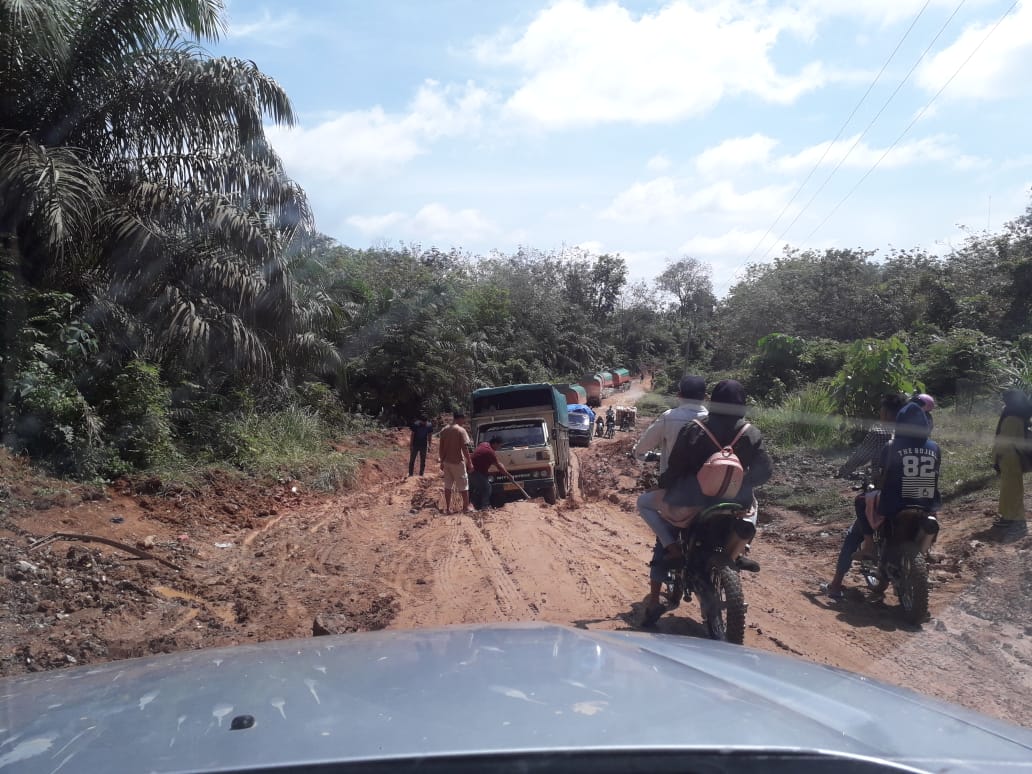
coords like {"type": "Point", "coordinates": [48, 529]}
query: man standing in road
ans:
{"type": "Point", "coordinates": [662, 434]}
{"type": "Point", "coordinates": [422, 431]}
{"type": "Point", "coordinates": [456, 462]}
{"type": "Point", "coordinates": [484, 458]}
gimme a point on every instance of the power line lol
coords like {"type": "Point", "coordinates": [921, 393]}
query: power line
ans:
{"type": "Point", "coordinates": [867, 128]}
{"type": "Point", "coordinates": [841, 129]}
{"type": "Point", "coordinates": [915, 119]}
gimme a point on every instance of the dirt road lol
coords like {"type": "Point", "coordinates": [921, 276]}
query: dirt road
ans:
{"type": "Point", "coordinates": [388, 556]}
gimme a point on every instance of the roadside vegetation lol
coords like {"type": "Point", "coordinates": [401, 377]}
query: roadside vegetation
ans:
{"type": "Point", "coordinates": [168, 303]}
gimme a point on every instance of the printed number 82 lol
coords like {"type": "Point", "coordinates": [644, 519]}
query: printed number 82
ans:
{"type": "Point", "coordinates": [918, 466]}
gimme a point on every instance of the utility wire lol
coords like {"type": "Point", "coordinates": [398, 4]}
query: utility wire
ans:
{"type": "Point", "coordinates": [915, 119]}
{"type": "Point", "coordinates": [841, 129]}
{"type": "Point", "coordinates": [867, 128]}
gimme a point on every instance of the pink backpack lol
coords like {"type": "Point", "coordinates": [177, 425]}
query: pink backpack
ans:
{"type": "Point", "coordinates": [722, 473]}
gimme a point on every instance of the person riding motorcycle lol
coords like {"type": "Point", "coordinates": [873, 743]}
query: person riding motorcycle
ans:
{"type": "Point", "coordinates": [610, 422]}
{"type": "Point", "coordinates": [662, 434]}
{"type": "Point", "coordinates": [867, 453]}
{"type": "Point", "coordinates": [682, 499]}
{"type": "Point", "coordinates": [910, 479]}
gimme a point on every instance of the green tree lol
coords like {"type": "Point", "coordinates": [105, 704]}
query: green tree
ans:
{"type": "Point", "coordinates": [872, 368]}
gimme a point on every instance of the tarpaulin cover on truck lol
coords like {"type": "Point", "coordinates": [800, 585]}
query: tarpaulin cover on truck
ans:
{"type": "Point", "coordinates": [519, 396]}
{"type": "Point", "coordinates": [580, 408]}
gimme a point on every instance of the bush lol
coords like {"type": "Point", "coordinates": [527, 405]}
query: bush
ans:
{"type": "Point", "coordinates": [872, 368]}
{"type": "Point", "coordinates": [136, 416]}
{"type": "Point", "coordinates": [963, 359]}
{"type": "Point", "coordinates": [807, 417]}
{"type": "Point", "coordinates": [294, 441]}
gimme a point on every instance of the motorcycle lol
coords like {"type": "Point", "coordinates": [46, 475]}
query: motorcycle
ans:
{"type": "Point", "coordinates": [900, 559]}
{"type": "Point", "coordinates": [707, 570]}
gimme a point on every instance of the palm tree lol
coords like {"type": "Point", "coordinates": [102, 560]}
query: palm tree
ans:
{"type": "Point", "coordinates": [135, 173]}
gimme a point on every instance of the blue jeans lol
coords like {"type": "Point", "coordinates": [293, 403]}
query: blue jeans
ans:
{"type": "Point", "coordinates": [854, 537]}
{"type": "Point", "coordinates": [479, 490]}
{"type": "Point", "coordinates": [648, 509]}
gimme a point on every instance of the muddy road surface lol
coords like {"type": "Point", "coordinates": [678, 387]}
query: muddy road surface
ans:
{"type": "Point", "coordinates": [283, 563]}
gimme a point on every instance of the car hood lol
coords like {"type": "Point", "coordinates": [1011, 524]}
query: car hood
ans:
{"type": "Point", "coordinates": [473, 689]}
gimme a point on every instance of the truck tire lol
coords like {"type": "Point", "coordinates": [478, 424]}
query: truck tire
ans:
{"type": "Point", "coordinates": [550, 495]}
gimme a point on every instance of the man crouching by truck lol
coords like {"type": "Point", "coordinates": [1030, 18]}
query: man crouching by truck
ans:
{"type": "Point", "coordinates": [453, 452]}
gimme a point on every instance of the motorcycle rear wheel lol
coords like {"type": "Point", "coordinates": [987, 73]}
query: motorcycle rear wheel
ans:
{"type": "Point", "coordinates": [723, 606]}
{"type": "Point", "coordinates": [912, 588]}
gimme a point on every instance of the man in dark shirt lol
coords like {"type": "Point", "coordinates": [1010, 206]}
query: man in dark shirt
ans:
{"type": "Point", "coordinates": [484, 458]}
{"type": "Point", "coordinates": [422, 433]}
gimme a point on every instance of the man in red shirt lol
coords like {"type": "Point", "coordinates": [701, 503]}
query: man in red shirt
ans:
{"type": "Point", "coordinates": [484, 458]}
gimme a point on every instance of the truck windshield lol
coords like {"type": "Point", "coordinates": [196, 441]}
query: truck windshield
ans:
{"type": "Point", "coordinates": [513, 436]}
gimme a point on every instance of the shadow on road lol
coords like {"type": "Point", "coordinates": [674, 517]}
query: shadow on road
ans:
{"type": "Point", "coordinates": [856, 611]}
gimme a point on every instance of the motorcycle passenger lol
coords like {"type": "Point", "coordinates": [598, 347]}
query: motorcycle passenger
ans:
{"type": "Point", "coordinates": [867, 453]}
{"type": "Point", "coordinates": [911, 472]}
{"type": "Point", "coordinates": [682, 499]}
{"type": "Point", "coordinates": [662, 434]}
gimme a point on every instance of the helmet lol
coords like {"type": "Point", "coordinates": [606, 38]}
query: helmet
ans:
{"type": "Point", "coordinates": [925, 401]}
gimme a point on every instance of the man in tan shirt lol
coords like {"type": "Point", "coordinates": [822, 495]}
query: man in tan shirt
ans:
{"type": "Point", "coordinates": [453, 452]}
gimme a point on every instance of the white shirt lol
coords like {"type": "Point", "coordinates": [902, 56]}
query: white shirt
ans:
{"type": "Point", "coordinates": [663, 432]}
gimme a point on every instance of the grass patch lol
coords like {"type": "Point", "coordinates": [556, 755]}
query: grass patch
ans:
{"type": "Point", "coordinates": [966, 440]}
{"type": "Point", "coordinates": [295, 441]}
{"type": "Point", "coordinates": [653, 404]}
{"type": "Point", "coordinates": [805, 419]}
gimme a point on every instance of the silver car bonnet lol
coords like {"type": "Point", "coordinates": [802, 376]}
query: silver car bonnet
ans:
{"type": "Point", "coordinates": [473, 689]}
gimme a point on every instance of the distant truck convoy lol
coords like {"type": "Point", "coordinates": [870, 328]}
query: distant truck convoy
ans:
{"type": "Point", "coordinates": [532, 423]}
{"type": "Point", "coordinates": [592, 384]}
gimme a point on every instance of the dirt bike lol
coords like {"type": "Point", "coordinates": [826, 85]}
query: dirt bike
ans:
{"type": "Point", "coordinates": [901, 550]}
{"type": "Point", "coordinates": [611, 430]}
{"type": "Point", "coordinates": [708, 571]}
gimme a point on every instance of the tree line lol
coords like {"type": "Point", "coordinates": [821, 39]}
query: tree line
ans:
{"type": "Point", "coordinates": [161, 276]}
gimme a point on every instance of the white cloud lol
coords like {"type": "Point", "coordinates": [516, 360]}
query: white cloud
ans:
{"type": "Point", "coordinates": [735, 243]}
{"type": "Point", "coordinates": [433, 222]}
{"type": "Point", "coordinates": [591, 247]}
{"type": "Point", "coordinates": [937, 148]}
{"type": "Point", "coordinates": [735, 153]}
{"type": "Point", "coordinates": [590, 64]}
{"type": "Point", "coordinates": [882, 12]}
{"type": "Point", "coordinates": [374, 225]}
{"type": "Point", "coordinates": [437, 222]}
{"type": "Point", "coordinates": [658, 163]}
{"type": "Point", "coordinates": [998, 70]}
{"type": "Point", "coordinates": [665, 198]}
{"type": "Point", "coordinates": [738, 153]}
{"type": "Point", "coordinates": [370, 141]}
{"type": "Point", "coordinates": [280, 30]}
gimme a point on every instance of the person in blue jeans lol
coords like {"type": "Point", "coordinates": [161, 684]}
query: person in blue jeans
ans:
{"type": "Point", "coordinates": [419, 444]}
{"type": "Point", "coordinates": [867, 453]}
{"type": "Point", "coordinates": [909, 466]}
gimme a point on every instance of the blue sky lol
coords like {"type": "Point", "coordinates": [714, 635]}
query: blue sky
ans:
{"type": "Point", "coordinates": [654, 130]}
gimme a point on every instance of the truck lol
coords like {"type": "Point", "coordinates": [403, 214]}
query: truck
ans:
{"type": "Point", "coordinates": [532, 424]}
{"type": "Point", "coordinates": [621, 378]}
{"type": "Point", "coordinates": [574, 393]}
{"type": "Point", "coordinates": [592, 384]}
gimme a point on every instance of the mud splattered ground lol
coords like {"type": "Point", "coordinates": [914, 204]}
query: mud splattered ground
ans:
{"type": "Point", "coordinates": [278, 562]}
